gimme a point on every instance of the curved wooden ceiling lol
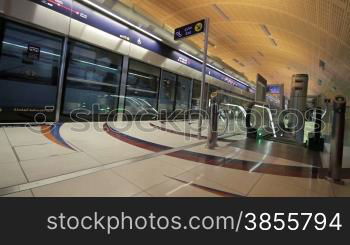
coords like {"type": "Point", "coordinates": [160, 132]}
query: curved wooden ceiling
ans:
{"type": "Point", "coordinates": [306, 31]}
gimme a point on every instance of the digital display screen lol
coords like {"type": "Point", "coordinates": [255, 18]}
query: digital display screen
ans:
{"type": "Point", "coordinates": [274, 89]}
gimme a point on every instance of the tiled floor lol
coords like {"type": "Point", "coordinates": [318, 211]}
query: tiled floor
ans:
{"type": "Point", "coordinates": [28, 157]}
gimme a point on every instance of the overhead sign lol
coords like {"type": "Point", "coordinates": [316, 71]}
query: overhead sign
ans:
{"type": "Point", "coordinates": [189, 30]}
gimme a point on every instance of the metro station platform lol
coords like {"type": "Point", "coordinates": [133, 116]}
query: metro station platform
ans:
{"type": "Point", "coordinates": [156, 159]}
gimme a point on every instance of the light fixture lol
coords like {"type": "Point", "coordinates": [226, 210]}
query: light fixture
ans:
{"type": "Point", "coordinates": [261, 54]}
{"type": "Point", "coordinates": [94, 5]}
{"type": "Point", "coordinates": [138, 75]}
{"type": "Point", "coordinates": [273, 42]}
{"type": "Point", "coordinates": [322, 65]}
{"type": "Point", "coordinates": [212, 44]}
{"type": "Point", "coordinates": [256, 61]}
{"type": "Point", "coordinates": [270, 117]}
{"type": "Point", "coordinates": [232, 39]}
{"type": "Point", "coordinates": [24, 47]}
{"type": "Point", "coordinates": [221, 12]}
{"type": "Point", "coordinates": [184, 52]}
{"type": "Point", "coordinates": [266, 30]}
{"type": "Point", "coordinates": [97, 65]}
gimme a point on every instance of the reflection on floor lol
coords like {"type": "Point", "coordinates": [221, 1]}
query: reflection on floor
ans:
{"type": "Point", "coordinates": [157, 159]}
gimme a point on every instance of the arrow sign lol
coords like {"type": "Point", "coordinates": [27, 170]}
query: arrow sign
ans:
{"type": "Point", "coordinates": [189, 30]}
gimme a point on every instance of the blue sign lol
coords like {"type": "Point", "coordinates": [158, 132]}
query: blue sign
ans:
{"type": "Point", "coordinates": [274, 89]}
{"type": "Point", "coordinates": [189, 30]}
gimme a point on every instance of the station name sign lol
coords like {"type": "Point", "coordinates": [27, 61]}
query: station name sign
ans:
{"type": "Point", "coordinates": [189, 30]}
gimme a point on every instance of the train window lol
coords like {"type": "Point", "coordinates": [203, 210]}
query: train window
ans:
{"type": "Point", "coordinates": [167, 92]}
{"type": "Point", "coordinates": [29, 70]}
{"type": "Point", "coordinates": [183, 93]}
{"type": "Point", "coordinates": [142, 84]}
{"type": "Point", "coordinates": [92, 81]}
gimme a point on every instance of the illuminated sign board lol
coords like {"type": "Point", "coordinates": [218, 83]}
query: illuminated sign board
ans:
{"type": "Point", "coordinates": [274, 89]}
{"type": "Point", "coordinates": [189, 30]}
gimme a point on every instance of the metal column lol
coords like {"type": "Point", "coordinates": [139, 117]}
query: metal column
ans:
{"type": "Point", "coordinates": [315, 141]}
{"type": "Point", "coordinates": [213, 122]}
{"type": "Point", "coordinates": [61, 80]}
{"type": "Point", "coordinates": [337, 140]}
{"type": "Point", "coordinates": [122, 90]}
{"type": "Point", "coordinates": [204, 71]}
{"type": "Point", "coordinates": [298, 104]}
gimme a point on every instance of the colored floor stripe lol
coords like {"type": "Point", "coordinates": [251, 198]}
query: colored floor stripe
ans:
{"type": "Point", "coordinates": [205, 188]}
{"type": "Point", "coordinates": [189, 135]}
{"type": "Point", "coordinates": [266, 168]}
{"type": "Point", "coordinates": [52, 132]}
{"type": "Point", "coordinates": [177, 132]}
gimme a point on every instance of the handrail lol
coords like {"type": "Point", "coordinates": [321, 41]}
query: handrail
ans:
{"type": "Point", "coordinates": [250, 130]}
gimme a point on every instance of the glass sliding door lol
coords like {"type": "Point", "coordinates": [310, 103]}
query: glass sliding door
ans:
{"type": "Point", "coordinates": [29, 72]}
{"type": "Point", "coordinates": [167, 92]}
{"type": "Point", "coordinates": [196, 94]}
{"type": "Point", "coordinates": [142, 89]}
{"type": "Point", "coordinates": [183, 93]}
{"type": "Point", "coordinates": [213, 88]}
{"type": "Point", "coordinates": [92, 81]}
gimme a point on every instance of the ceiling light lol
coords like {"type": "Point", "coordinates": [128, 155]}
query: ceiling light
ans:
{"type": "Point", "coordinates": [266, 30]}
{"type": "Point", "coordinates": [211, 44]}
{"type": "Point", "coordinates": [256, 61]}
{"type": "Point", "coordinates": [105, 11]}
{"type": "Point", "coordinates": [261, 54]}
{"type": "Point", "coordinates": [273, 42]}
{"type": "Point", "coordinates": [322, 65]}
{"type": "Point", "coordinates": [190, 55]}
{"type": "Point", "coordinates": [221, 12]}
{"type": "Point", "coordinates": [232, 39]}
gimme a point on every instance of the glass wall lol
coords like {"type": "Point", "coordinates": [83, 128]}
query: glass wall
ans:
{"type": "Point", "coordinates": [29, 75]}
{"type": "Point", "coordinates": [183, 93]}
{"type": "Point", "coordinates": [29, 72]}
{"type": "Point", "coordinates": [142, 88]}
{"type": "Point", "coordinates": [167, 92]}
{"type": "Point", "coordinates": [92, 81]}
{"type": "Point", "coordinates": [196, 94]}
{"type": "Point", "coordinates": [213, 88]}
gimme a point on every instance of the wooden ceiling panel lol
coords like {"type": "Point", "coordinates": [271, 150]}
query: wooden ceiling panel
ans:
{"type": "Point", "coordinates": [305, 32]}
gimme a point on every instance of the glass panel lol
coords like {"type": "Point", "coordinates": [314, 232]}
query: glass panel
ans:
{"type": "Point", "coordinates": [196, 94]}
{"type": "Point", "coordinates": [213, 88]}
{"type": "Point", "coordinates": [29, 70]}
{"type": "Point", "coordinates": [347, 128]}
{"type": "Point", "coordinates": [167, 92]}
{"type": "Point", "coordinates": [183, 93]}
{"type": "Point", "coordinates": [346, 149]}
{"type": "Point", "coordinates": [142, 87]}
{"type": "Point", "coordinates": [93, 79]}
{"type": "Point", "coordinates": [232, 115]}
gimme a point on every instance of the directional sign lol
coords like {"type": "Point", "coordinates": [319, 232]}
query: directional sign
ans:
{"type": "Point", "coordinates": [189, 30]}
